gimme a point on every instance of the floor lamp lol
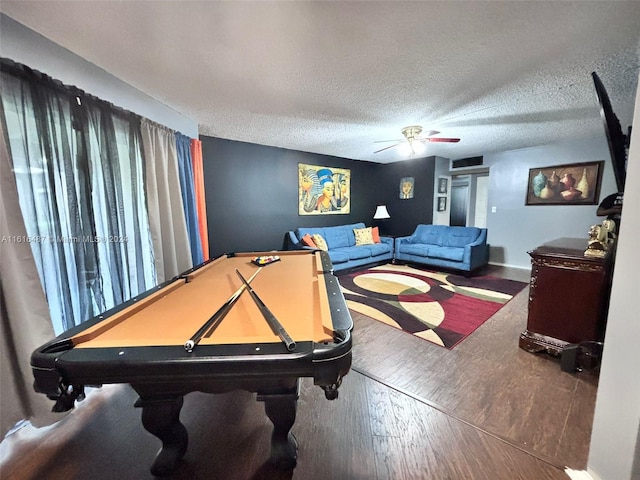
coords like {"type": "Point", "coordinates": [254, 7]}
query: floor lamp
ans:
{"type": "Point", "coordinates": [380, 215]}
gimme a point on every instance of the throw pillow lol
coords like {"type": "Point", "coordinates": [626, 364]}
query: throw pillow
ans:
{"type": "Point", "coordinates": [319, 241]}
{"type": "Point", "coordinates": [363, 236]}
{"type": "Point", "coordinates": [308, 241]}
{"type": "Point", "coordinates": [375, 233]}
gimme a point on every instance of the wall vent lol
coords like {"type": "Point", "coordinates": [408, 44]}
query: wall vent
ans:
{"type": "Point", "coordinates": [470, 162]}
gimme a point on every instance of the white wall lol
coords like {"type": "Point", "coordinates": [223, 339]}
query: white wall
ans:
{"type": "Point", "coordinates": [23, 45]}
{"type": "Point", "coordinates": [481, 203]}
{"type": "Point", "coordinates": [514, 228]}
{"type": "Point", "coordinates": [616, 425]}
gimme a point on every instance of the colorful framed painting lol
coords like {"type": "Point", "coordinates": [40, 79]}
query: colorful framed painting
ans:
{"type": "Point", "coordinates": [323, 190]}
{"type": "Point", "coordinates": [571, 184]}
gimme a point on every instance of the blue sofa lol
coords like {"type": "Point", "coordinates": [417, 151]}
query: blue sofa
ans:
{"type": "Point", "coordinates": [459, 248]}
{"type": "Point", "coordinates": [342, 249]}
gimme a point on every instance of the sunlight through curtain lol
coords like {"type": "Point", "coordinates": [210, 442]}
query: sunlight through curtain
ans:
{"type": "Point", "coordinates": [95, 189]}
{"type": "Point", "coordinates": [79, 174]}
{"type": "Point", "coordinates": [121, 221]}
{"type": "Point", "coordinates": [24, 315]}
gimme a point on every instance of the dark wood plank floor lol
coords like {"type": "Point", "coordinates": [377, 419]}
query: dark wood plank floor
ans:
{"type": "Point", "coordinates": [410, 410]}
{"type": "Point", "coordinates": [488, 381]}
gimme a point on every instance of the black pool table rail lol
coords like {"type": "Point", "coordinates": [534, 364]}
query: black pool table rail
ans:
{"type": "Point", "coordinates": [162, 375]}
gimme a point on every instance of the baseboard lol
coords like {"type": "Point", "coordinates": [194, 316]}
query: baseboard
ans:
{"type": "Point", "coordinates": [579, 475]}
{"type": "Point", "coordinates": [506, 265]}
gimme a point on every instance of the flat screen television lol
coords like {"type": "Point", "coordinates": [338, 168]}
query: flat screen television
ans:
{"type": "Point", "coordinates": [618, 141]}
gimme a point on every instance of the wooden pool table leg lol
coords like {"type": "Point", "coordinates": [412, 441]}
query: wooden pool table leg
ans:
{"type": "Point", "coordinates": [281, 409]}
{"type": "Point", "coordinates": [161, 417]}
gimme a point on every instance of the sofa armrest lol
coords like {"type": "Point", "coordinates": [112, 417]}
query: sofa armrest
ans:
{"type": "Point", "coordinates": [387, 240]}
{"type": "Point", "coordinates": [294, 244]}
{"type": "Point", "coordinates": [400, 241]}
{"type": "Point", "coordinates": [292, 241]}
{"type": "Point", "coordinates": [482, 238]}
{"type": "Point", "coordinates": [476, 253]}
{"type": "Point", "coordinates": [407, 239]}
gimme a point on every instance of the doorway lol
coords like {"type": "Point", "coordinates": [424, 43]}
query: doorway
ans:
{"type": "Point", "coordinates": [459, 205]}
{"type": "Point", "coordinates": [469, 200]}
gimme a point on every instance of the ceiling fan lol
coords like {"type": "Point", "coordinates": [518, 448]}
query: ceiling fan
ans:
{"type": "Point", "coordinates": [413, 142]}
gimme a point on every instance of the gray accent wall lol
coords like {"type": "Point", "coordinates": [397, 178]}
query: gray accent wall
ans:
{"type": "Point", "coordinates": [515, 228]}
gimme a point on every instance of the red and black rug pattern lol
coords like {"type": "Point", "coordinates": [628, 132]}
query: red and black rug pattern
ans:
{"type": "Point", "coordinates": [442, 308]}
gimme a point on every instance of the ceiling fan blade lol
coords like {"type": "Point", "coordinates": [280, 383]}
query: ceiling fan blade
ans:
{"type": "Point", "coordinates": [437, 139]}
{"type": "Point", "coordinates": [431, 132]}
{"type": "Point", "coordinates": [387, 141]}
{"type": "Point", "coordinates": [386, 148]}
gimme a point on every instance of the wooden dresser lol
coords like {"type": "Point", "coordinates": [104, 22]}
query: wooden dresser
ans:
{"type": "Point", "coordinates": [568, 296]}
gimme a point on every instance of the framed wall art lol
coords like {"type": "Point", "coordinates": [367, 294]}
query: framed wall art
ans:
{"type": "Point", "coordinates": [323, 190]}
{"type": "Point", "coordinates": [406, 187]}
{"type": "Point", "coordinates": [443, 184]}
{"type": "Point", "coordinates": [442, 204]}
{"type": "Point", "coordinates": [571, 184]}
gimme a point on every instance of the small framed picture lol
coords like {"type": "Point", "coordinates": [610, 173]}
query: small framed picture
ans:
{"type": "Point", "coordinates": [443, 183]}
{"type": "Point", "coordinates": [442, 204]}
{"type": "Point", "coordinates": [406, 187]}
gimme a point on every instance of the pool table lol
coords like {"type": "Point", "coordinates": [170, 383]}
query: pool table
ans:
{"type": "Point", "coordinates": [142, 343]}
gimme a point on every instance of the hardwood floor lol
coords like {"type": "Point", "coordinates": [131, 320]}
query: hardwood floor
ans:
{"type": "Point", "coordinates": [488, 381]}
{"type": "Point", "coordinates": [407, 410]}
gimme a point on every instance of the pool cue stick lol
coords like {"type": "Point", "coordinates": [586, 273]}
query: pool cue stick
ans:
{"type": "Point", "coordinates": [210, 325]}
{"type": "Point", "coordinates": [225, 308]}
{"type": "Point", "coordinates": [222, 312]}
{"type": "Point", "coordinates": [271, 319]}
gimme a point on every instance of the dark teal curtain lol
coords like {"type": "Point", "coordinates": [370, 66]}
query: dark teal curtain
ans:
{"type": "Point", "coordinates": [187, 186]}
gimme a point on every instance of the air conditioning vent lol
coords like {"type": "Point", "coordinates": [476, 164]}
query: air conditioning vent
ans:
{"type": "Point", "coordinates": [470, 162]}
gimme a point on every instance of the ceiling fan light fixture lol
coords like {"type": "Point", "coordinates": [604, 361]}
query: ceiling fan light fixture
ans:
{"type": "Point", "coordinates": [413, 146]}
{"type": "Point", "coordinates": [412, 132]}
{"type": "Point", "coordinates": [405, 149]}
{"type": "Point", "coordinates": [413, 143]}
{"type": "Point", "coordinates": [418, 147]}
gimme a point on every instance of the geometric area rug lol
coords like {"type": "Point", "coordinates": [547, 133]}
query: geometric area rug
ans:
{"type": "Point", "coordinates": [442, 308]}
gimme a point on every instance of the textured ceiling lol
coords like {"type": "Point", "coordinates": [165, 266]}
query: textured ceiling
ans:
{"type": "Point", "coordinates": [333, 77]}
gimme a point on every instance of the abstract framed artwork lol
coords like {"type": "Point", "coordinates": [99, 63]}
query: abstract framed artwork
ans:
{"type": "Point", "coordinates": [571, 184]}
{"type": "Point", "coordinates": [323, 190]}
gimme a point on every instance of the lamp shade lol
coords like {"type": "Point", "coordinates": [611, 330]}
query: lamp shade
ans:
{"type": "Point", "coordinates": [381, 212]}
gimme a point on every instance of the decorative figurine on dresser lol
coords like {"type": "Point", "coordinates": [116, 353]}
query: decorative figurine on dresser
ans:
{"type": "Point", "coordinates": [568, 294]}
{"type": "Point", "coordinates": [601, 239]}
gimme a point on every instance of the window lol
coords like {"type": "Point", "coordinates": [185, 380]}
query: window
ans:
{"type": "Point", "coordinates": [80, 177]}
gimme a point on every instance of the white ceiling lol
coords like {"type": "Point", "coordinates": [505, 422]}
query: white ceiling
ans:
{"type": "Point", "coordinates": [333, 77]}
